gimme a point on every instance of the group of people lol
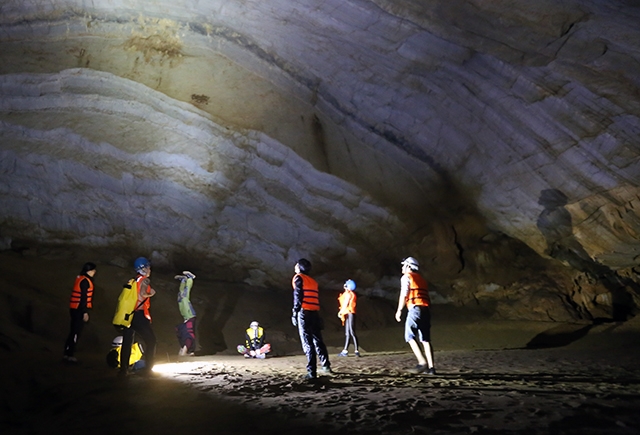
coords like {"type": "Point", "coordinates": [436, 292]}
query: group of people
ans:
{"type": "Point", "coordinates": [414, 295]}
{"type": "Point", "coordinates": [138, 320]}
{"type": "Point", "coordinates": [305, 316]}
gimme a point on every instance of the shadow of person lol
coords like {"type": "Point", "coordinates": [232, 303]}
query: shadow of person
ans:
{"type": "Point", "coordinates": [555, 224]}
{"type": "Point", "coordinates": [558, 336]}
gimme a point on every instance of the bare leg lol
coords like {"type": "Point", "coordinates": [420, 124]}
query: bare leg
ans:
{"type": "Point", "coordinates": [415, 347]}
{"type": "Point", "coordinates": [428, 352]}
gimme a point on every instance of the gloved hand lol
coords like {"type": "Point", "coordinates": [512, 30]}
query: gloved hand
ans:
{"type": "Point", "coordinates": [294, 318]}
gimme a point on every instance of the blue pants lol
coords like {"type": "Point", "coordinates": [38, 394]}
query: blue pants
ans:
{"type": "Point", "coordinates": [418, 324]}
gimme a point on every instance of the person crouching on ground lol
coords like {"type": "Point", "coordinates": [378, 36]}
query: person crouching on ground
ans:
{"type": "Point", "coordinates": [415, 295]}
{"type": "Point", "coordinates": [254, 340]}
{"type": "Point", "coordinates": [79, 306]}
{"type": "Point", "coordinates": [186, 331]}
{"type": "Point", "coordinates": [347, 313]}
{"type": "Point", "coordinates": [306, 316]}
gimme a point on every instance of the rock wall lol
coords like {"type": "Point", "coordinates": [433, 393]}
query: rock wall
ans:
{"type": "Point", "coordinates": [246, 134]}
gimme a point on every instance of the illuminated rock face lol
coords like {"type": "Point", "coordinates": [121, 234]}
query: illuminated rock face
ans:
{"type": "Point", "coordinates": [248, 134]}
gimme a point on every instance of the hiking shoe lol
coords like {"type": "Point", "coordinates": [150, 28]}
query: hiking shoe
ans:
{"type": "Point", "coordinates": [344, 353]}
{"type": "Point", "coordinates": [431, 371]}
{"type": "Point", "coordinates": [326, 369]}
{"type": "Point", "coordinates": [358, 354]}
{"type": "Point", "coordinates": [189, 274]}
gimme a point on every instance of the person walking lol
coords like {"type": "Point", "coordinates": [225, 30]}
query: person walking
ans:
{"type": "Point", "coordinates": [79, 306]}
{"type": "Point", "coordinates": [347, 313]}
{"type": "Point", "coordinates": [414, 295]}
{"type": "Point", "coordinates": [141, 322]}
{"type": "Point", "coordinates": [186, 331]}
{"type": "Point", "coordinates": [306, 316]}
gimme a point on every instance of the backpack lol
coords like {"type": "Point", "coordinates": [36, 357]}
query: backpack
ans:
{"type": "Point", "coordinates": [126, 305]}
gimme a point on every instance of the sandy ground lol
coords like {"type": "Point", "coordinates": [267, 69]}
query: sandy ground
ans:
{"type": "Point", "coordinates": [493, 376]}
{"type": "Point", "coordinates": [573, 389]}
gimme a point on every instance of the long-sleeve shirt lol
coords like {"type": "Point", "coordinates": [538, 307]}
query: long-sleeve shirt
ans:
{"type": "Point", "coordinates": [184, 302]}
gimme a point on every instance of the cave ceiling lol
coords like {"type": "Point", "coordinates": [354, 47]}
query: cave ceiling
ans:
{"type": "Point", "coordinates": [246, 134]}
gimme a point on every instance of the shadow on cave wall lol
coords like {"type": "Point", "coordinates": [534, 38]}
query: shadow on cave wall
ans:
{"type": "Point", "coordinates": [558, 336]}
{"type": "Point", "coordinates": [555, 223]}
{"type": "Point", "coordinates": [215, 316]}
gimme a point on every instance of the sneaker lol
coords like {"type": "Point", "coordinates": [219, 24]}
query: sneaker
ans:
{"type": "Point", "coordinates": [344, 353]}
{"type": "Point", "coordinates": [70, 359]}
{"type": "Point", "coordinates": [310, 376]}
{"type": "Point", "coordinates": [420, 368]}
{"type": "Point", "coordinates": [431, 371]}
{"type": "Point", "coordinates": [326, 369]}
{"type": "Point", "coordinates": [180, 277]}
{"type": "Point", "coordinates": [182, 351]}
{"type": "Point", "coordinates": [189, 274]}
{"type": "Point", "coordinates": [246, 355]}
{"type": "Point", "coordinates": [358, 354]}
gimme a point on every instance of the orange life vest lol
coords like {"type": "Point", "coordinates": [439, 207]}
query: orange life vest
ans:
{"type": "Point", "coordinates": [347, 301]}
{"type": "Point", "coordinates": [147, 301]}
{"type": "Point", "coordinates": [418, 291]}
{"type": "Point", "coordinates": [76, 293]}
{"type": "Point", "coordinates": [310, 294]}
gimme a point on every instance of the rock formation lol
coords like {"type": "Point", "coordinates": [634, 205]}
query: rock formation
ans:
{"type": "Point", "coordinates": [496, 141]}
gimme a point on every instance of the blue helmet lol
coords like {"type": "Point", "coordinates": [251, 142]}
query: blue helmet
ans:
{"type": "Point", "coordinates": [350, 284]}
{"type": "Point", "coordinates": [141, 263]}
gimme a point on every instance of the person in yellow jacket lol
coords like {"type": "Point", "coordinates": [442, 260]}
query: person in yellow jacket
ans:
{"type": "Point", "coordinates": [135, 359]}
{"type": "Point", "coordinates": [141, 323]}
{"type": "Point", "coordinates": [414, 295]}
{"type": "Point", "coordinates": [254, 338]}
{"type": "Point", "coordinates": [347, 313]}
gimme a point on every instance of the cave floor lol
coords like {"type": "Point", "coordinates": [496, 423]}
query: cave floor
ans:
{"type": "Point", "coordinates": [562, 390]}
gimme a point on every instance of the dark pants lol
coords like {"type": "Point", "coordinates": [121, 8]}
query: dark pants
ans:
{"type": "Point", "coordinates": [350, 331]}
{"type": "Point", "coordinates": [75, 328]}
{"type": "Point", "coordinates": [309, 327]}
{"type": "Point", "coordinates": [186, 333]}
{"type": "Point", "coordinates": [142, 326]}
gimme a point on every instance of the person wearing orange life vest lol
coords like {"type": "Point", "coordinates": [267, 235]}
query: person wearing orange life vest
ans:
{"type": "Point", "coordinates": [414, 295]}
{"type": "Point", "coordinates": [79, 306]}
{"type": "Point", "coordinates": [306, 316]}
{"type": "Point", "coordinates": [141, 322]}
{"type": "Point", "coordinates": [347, 313]}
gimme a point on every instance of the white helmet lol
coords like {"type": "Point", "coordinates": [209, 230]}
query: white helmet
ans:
{"type": "Point", "coordinates": [117, 341]}
{"type": "Point", "coordinates": [411, 262]}
{"type": "Point", "coordinates": [254, 324]}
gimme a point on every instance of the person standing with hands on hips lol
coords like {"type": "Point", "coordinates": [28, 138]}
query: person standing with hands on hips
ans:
{"type": "Point", "coordinates": [347, 313]}
{"type": "Point", "coordinates": [79, 306]}
{"type": "Point", "coordinates": [306, 316]}
{"type": "Point", "coordinates": [141, 322]}
{"type": "Point", "coordinates": [415, 295]}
